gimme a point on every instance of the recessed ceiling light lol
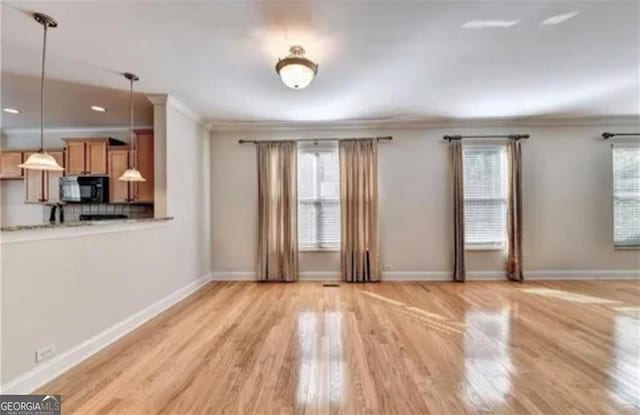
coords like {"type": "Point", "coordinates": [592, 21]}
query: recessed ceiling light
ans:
{"type": "Point", "coordinates": [559, 18]}
{"type": "Point", "coordinates": [11, 110]}
{"type": "Point", "coordinates": [488, 24]}
{"type": "Point", "coordinates": [97, 108]}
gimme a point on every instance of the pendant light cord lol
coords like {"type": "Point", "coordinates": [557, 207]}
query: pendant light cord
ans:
{"type": "Point", "coordinates": [44, 51]}
{"type": "Point", "coordinates": [133, 136]}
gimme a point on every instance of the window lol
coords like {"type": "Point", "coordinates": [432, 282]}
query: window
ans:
{"type": "Point", "coordinates": [626, 195]}
{"type": "Point", "coordinates": [318, 197]}
{"type": "Point", "coordinates": [485, 196]}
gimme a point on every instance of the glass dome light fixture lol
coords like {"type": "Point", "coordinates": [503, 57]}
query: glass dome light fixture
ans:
{"type": "Point", "coordinates": [132, 174]}
{"type": "Point", "coordinates": [42, 160]}
{"type": "Point", "coordinates": [296, 71]}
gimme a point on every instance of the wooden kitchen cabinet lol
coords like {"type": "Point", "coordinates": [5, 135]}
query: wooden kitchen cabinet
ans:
{"type": "Point", "coordinates": [137, 192]}
{"type": "Point", "coordinates": [144, 191]}
{"type": "Point", "coordinates": [42, 186]}
{"type": "Point", "coordinates": [75, 157]}
{"type": "Point", "coordinates": [87, 156]}
{"type": "Point", "coordinates": [9, 161]}
{"type": "Point", "coordinates": [96, 157]}
{"type": "Point", "coordinates": [119, 191]}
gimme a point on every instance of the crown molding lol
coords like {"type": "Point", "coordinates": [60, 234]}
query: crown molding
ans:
{"type": "Point", "coordinates": [158, 99]}
{"type": "Point", "coordinates": [74, 130]}
{"type": "Point", "coordinates": [248, 126]}
{"type": "Point", "coordinates": [181, 107]}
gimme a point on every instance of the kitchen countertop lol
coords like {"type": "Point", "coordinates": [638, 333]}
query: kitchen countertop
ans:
{"type": "Point", "coordinates": [81, 224]}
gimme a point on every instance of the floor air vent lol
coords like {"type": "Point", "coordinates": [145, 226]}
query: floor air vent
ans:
{"type": "Point", "coordinates": [330, 284]}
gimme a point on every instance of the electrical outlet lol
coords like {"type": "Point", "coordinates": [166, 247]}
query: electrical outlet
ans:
{"type": "Point", "coordinates": [387, 267]}
{"type": "Point", "coordinates": [45, 352]}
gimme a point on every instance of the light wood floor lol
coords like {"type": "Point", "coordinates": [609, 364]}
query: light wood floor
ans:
{"type": "Point", "coordinates": [397, 348]}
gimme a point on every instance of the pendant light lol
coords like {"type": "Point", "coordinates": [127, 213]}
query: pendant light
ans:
{"type": "Point", "coordinates": [132, 174]}
{"type": "Point", "coordinates": [295, 70]}
{"type": "Point", "coordinates": [42, 160]}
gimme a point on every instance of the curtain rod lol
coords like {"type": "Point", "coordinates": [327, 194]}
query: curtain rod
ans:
{"type": "Point", "coordinates": [510, 136]}
{"type": "Point", "coordinates": [607, 136]}
{"type": "Point", "coordinates": [385, 138]}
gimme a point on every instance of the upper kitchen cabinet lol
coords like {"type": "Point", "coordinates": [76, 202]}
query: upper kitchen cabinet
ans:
{"type": "Point", "coordinates": [143, 191]}
{"type": "Point", "coordinates": [9, 161]}
{"type": "Point", "coordinates": [42, 186]}
{"type": "Point", "coordinates": [119, 157]}
{"type": "Point", "coordinates": [87, 156]}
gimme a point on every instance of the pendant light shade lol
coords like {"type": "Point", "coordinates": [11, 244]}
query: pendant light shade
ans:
{"type": "Point", "coordinates": [132, 174]}
{"type": "Point", "coordinates": [42, 160]}
{"type": "Point", "coordinates": [295, 70]}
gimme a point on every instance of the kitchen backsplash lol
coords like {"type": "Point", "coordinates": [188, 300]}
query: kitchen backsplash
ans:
{"type": "Point", "coordinates": [72, 212]}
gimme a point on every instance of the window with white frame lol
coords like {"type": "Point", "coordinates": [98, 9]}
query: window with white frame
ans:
{"type": "Point", "coordinates": [318, 196]}
{"type": "Point", "coordinates": [626, 195]}
{"type": "Point", "coordinates": [485, 195]}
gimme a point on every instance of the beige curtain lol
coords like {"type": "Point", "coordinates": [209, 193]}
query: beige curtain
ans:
{"type": "Point", "coordinates": [514, 212]}
{"type": "Point", "coordinates": [359, 210]}
{"type": "Point", "coordinates": [277, 211]}
{"type": "Point", "coordinates": [455, 149]}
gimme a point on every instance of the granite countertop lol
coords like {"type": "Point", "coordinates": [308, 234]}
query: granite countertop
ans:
{"type": "Point", "coordinates": [81, 224]}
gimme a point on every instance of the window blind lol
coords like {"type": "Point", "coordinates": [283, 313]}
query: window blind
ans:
{"type": "Point", "coordinates": [318, 197]}
{"type": "Point", "coordinates": [626, 195]}
{"type": "Point", "coordinates": [485, 195]}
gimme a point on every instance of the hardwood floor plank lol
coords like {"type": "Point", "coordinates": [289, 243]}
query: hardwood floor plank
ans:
{"type": "Point", "coordinates": [386, 348]}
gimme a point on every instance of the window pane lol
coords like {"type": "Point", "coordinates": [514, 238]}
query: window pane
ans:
{"type": "Point", "coordinates": [306, 187]}
{"type": "Point", "coordinates": [484, 175]}
{"type": "Point", "coordinates": [318, 197]}
{"type": "Point", "coordinates": [485, 221]}
{"type": "Point", "coordinates": [626, 195]}
{"type": "Point", "coordinates": [328, 170]}
{"type": "Point", "coordinates": [485, 194]}
{"type": "Point", "coordinates": [307, 218]}
{"type": "Point", "coordinates": [330, 224]}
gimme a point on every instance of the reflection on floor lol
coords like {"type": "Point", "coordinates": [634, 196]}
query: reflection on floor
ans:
{"type": "Point", "coordinates": [316, 357]}
{"type": "Point", "coordinates": [625, 362]}
{"type": "Point", "coordinates": [486, 358]}
{"type": "Point", "coordinates": [439, 348]}
{"type": "Point", "coordinates": [568, 296]}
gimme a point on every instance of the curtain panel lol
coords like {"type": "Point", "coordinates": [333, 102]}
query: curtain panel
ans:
{"type": "Point", "coordinates": [514, 212]}
{"type": "Point", "coordinates": [359, 256]}
{"type": "Point", "coordinates": [457, 174]}
{"type": "Point", "coordinates": [277, 211]}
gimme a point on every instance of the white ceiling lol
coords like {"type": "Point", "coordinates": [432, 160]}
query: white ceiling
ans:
{"type": "Point", "coordinates": [378, 60]}
{"type": "Point", "coordinates": [68, 104]}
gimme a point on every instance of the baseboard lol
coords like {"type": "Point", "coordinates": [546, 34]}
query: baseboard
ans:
{"type": "Point", "coordinates": [416, 276]}
{"type": "Point", "coordinates": [251, 276]}
{"type": "Point", "coordinates": [233, 276]}
{"type": "Point", "coordinates": [446, 275]}
{"type": "Point", "coordinates": [320, 276]}
{"type": "Point", "coordinates": [618, 274]}
{"type": "Point", "coordinates": [59, 364]}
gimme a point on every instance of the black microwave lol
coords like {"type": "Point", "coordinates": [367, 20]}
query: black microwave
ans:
{"type": "Point", "coordinates": [84, 189]}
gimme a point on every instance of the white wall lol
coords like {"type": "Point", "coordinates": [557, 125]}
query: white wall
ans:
{"type": "Point", "coordinates": [567, 204]}
{"type": "Point", "coordinates": [68, 289]}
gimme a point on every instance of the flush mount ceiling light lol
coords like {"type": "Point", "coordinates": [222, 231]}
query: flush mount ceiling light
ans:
{"type": "Point", "coordinates": [42, 160]}
{"type": "Point", "coordinates": [98, 108]}
{"type": "Point", "coordinates": [295, 70]}
{"type": "Point", "coordinates": [490, 24]}
{"type": "Point", "coordinates": [132, 174]}
{"type": "Point", "coordinates": [11, 110]}
{"type": "Point", "coordinates": [557, 19]}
